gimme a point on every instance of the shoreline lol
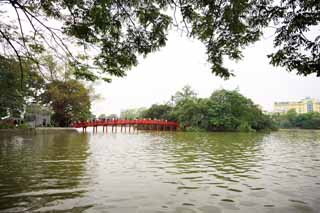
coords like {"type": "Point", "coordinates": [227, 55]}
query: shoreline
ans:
{"type": "Point", "coordinates": [296, 129]}
{"type": "Point", "coordinates": [71, 129]}
{"type": "Point", "coordinates": [39, 129]}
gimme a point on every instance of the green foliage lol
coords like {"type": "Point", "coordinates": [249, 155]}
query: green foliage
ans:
{"type": "Point", "coordinates": [112, 116]}
{"type": "Point", "coordinates": [24, 126]}
{"type": "Point", "coordinates": [6, 125]}
{"type": "Point", "coordinates": [91, 117]}
{"type": "Point", "coordinates": [223, 111]}
{"type": "Point", "coordinates": [132, 113]}
{"type": "Point", "coordinates": [102, 116]}
{"type": "Point", "coordinates": [185, 94]}
{"type": "Point", "coordinates": [158, 111]}
{"type": "Point", "coordinates": [192, 113]}
{"type": "Point", "coordinates": [291, 119]}
{"type": "Point", "coordinates": [229, 110]}
{"type": "Point", "coordinates": [194, 129]}
{"type": "Point", "coordinates": [69, 100]}
{"type": "Point", "coordinates": [245, 127]}
{"type": "Point", "coordinates": [13, 96]}
{"type": "Point", "coordinates": [113, 33]}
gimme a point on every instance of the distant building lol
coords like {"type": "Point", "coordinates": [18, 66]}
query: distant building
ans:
{"type": "Point", "coordinates": [304, 106]}
{"type": "Point", "coordinates": [37, 115]}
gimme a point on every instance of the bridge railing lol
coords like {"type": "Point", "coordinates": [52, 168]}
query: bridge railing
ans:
{"type": "Point", "coordinates": [124, 122]}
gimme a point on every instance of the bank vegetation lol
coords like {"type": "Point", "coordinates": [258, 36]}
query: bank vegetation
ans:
{"type": "Point", "coordinates": [224, 110]}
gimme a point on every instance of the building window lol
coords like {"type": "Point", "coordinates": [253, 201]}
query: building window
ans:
{"type": "Point", "coordinates": [309, 106]}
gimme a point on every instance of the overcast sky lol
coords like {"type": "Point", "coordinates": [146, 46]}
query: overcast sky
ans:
{"type": "Point", "coordinates": [183, 61]}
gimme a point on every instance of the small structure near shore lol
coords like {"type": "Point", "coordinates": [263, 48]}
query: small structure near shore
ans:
{"type": "Point", "coordinates": [37, 116]}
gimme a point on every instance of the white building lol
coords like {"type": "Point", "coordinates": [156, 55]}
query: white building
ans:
{"type": "Point", "coordinates": [36, 116]}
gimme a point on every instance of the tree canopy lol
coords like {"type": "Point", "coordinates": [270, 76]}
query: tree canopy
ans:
{"type": "Point", "coordinates": [223, 111]}
{"type": "Point", "coordinates": [104, 38]}
{"type": "Point", "coordinates": [55, 90]}
{"type": "Point", "coordinates": [292, 119]}
{"type": "Point", "coordinates": [159, 111]}
{"type": "Point", "coordinates": [132, 113]}
{"type": "Point", "coordinates": [229, 110]}
{"type": "Point", "coordinates": [69, 100]}
{"type": "Point", "coordinates": [185, 94]}
{"type": "Point", "coordinates": [12, 96]}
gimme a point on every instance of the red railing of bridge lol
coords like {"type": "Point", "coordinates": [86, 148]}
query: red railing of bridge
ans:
{"type": "Point", "coordinates": [123, 123]}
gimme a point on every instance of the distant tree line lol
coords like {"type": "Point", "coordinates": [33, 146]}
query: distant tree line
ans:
{"type": "Point", "coordinates": [132, 113]}
{"type": "Point", "coordinates": [292, 119]}
{"type": "Point", "coordinates": [223, 111]}
{"type": "Point", "coordinates": [108, 117]}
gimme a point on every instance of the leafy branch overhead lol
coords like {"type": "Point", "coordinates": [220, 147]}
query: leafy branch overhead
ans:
{"type": "Point", "coordinates": [104, 38]}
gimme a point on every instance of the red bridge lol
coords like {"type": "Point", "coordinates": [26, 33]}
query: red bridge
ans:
{"type": "Point", "coordinates": [142, 124]}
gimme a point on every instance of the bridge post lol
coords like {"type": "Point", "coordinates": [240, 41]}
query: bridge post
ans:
{"type": "Point", "coordinates": [156, 125]}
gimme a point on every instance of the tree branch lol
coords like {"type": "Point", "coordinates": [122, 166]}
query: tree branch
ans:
{"type": "Point", "coordinates": [17, 54]}
{"type": "Point", "coordinates": [61, 43]}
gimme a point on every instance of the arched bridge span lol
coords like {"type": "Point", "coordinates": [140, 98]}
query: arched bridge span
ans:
{"type": "Point", "coordinates": [143, 124]}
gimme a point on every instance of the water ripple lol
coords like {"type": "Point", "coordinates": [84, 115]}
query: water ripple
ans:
{"type": "Point", "coordinates": [160, 172]}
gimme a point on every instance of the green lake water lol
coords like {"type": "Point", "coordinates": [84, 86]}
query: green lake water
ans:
{"type": "Point", "coordinates": [65, 171]}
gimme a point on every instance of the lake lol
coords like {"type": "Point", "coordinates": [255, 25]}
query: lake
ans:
{"type": "Point", "coordinates": [66, 171]}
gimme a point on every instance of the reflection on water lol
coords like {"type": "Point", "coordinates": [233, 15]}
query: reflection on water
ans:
{"type": "Point", "coordinates": [41, 169]}
{"type": "Point", "coordinates": [160, 172]}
